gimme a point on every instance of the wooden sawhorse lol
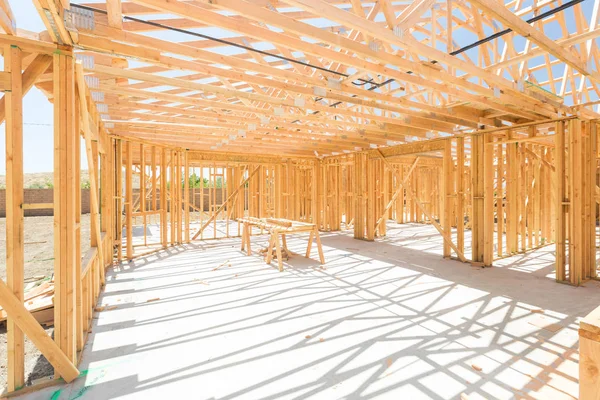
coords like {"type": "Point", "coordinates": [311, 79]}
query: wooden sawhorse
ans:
{"type": "Point", "coordinates": [275, 231]}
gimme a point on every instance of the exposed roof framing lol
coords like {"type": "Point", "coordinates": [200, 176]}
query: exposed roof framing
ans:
{"type": "Point", "coordinates": [306, 77]}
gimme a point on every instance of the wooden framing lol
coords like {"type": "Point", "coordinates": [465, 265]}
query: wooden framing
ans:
{"type": "Point", "coordinates": [15, 255]}
{"type": "Point", "coordinates": [36, 333]}
{"type": "Point", "coordinates": [129, 198]}
{"type": "Point", "coordinates": [279, 228]}
{"type": "Point", "coordinates": [64, 204]}
{"type": "Point", "coordinates": [499, 144]}
{"type": "Point", "coordinates": [77, 283]}
{"type": "Point", "coordinates": [415, 113]}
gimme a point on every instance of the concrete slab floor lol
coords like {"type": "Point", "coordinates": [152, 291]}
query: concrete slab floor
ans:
{"type": "Point", "coordinates": [383, 320]}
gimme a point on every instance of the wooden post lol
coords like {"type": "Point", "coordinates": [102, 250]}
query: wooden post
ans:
{"type": "Point", "coordinates": [576, 254]}
{"type": "Point", "coordinates": [499, 195]}
{"type": "Point", "coordinates": [106, 167]}
{"type": "Point", "coordinates": [447, 188]}
{"type": "Point", "coordinates": [529, 204]}
{"type": "Point", "coordinates": [589, 356]}
{"type": "Point", "coordinates": [522, 201]}
{"type": "Point", "coordinates": [228, 174]}
{"type": "Point", "coordinates": [592, 165]}
{"type": "Point", "coordinates": [77, 268]}
{"type": "Point", "coordinates": [460, 199]}
{"type": "Point", "coordinates": [316, 205]}
{"type": "Point", "coordinates": [399, 204]}
{"type": "Point", "coordinates": [560, 199]}
{"type": "Point", "coordinates": [154, 178]}
{"type": "Point", "coordinates": [163, 197]}
{"type": "Point", "coordinates": [356, 195]}
{"type": "Point", "coordinates": [173, 201]}
{"type": "Point", "coordinates": [91, 148]}
{"type": "Point", "coordinates": [586, 206]}
{"type": "Point", "coordinates": [370, 197]}
{"type": "Point", "coordinates": [186, 194]}
{"type": "Point", "coordinates": [360, 201]}
{"type": "Point", "coordinates": [536, 209]}
{"type": "Point", "coordinates": [64, 204]}
{"type": "Point", "coordinates": [119, 197]}
{"type": "Point", "coordinates": [142, 192]}
{"type": "Point", "coordinates": [178, 196]}
{"type": "Point", "coordinates": [15, 248]}
{"type": "Point", "coordinates": [298, 172]}
{"type": "Point", "coordinates": [129, 198]}
{"type": "Point", "coordinates": [477, 193]}
{"type": "Point", "coordinates": [512, 216]}
{"type": "Point", "coordinates": [278, 191]}
{"type": "Point", "coordinates": [385, 198]}
{"type": "Point", "coordinates": [488, 201]}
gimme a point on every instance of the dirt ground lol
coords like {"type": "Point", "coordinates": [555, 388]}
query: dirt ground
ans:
{"type": "Point", "coordinates": [36, 365]}
{"type": "Point", "coordinates": [39, 260]}
{"type": "Point", "coordinates": [39, 245]}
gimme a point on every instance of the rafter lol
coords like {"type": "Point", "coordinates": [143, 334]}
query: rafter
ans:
{"type": "Point", "coordinates": [518, 25]}
{"type": "Point", "coordinates": [374, 75]}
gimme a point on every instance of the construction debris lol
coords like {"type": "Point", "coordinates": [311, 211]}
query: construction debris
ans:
{"type": "Point", "coordinates": [222, 265]}
{"type": "Point", "coordinates": [38, 299]}
{"type": "Point", "coordinates": [154, 299]}
{"type": "Point", "coordinates": [284, 254]}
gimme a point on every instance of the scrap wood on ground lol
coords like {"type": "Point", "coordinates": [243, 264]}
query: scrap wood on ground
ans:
{"type": "Point", "coordinates": [39, 300]}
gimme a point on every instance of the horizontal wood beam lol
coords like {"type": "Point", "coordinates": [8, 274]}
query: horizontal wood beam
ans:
{"type": "Point", "coordinates": [38, 206]}
{"type": "Point", "coordinates": [424, 146]}
{"type": "Point", "coordinates": [208, 156]}
{"type": "Point", "coordinates": [29, 45]}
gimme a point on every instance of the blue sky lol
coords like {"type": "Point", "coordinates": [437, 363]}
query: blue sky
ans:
{"type": "Point", "coordinates": [37, 110]}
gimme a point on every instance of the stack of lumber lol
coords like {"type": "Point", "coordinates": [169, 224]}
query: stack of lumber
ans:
{"type": "Point", "coordinates": [39, 300]}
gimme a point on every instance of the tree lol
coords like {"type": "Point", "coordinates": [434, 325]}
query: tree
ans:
{"type": "Point", "coordinates": [194, 182]}
{"type": "Point", "coordinates": [38, 185]}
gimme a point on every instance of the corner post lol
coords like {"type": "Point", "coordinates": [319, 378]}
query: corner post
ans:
{"type": "Point", "coordinates": [15, 251]}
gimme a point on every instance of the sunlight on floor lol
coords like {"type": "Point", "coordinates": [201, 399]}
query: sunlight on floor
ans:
{"type": "Point", "coordinates": [379, 320]}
